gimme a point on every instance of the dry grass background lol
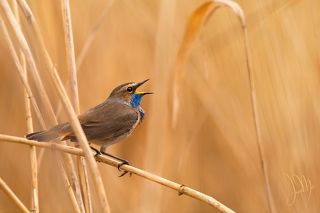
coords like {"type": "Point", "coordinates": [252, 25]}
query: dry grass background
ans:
{"type": "Point", "coordinates": [212, 145]}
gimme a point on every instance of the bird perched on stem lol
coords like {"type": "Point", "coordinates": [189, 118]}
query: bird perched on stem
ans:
{"type": "Point", "coordinates": [105, 124]}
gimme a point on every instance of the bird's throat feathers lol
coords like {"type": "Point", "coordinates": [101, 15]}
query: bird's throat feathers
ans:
{"type": "Point", "coordinates": [136, 100]}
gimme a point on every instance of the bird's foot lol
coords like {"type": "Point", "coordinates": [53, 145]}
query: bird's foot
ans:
{"type": "Point", "coordinates": [123, 172]}
{"type": "Point", "coordinates": [123, 162]}
{"type": "Point", "coordinates": [97, 153]}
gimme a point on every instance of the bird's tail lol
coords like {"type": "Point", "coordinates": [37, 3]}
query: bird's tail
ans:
{"type": "Point", "coordinates": [50, 134]}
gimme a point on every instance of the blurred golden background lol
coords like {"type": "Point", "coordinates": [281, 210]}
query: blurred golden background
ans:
{"type": "Point", "coordinates": [211, 146]}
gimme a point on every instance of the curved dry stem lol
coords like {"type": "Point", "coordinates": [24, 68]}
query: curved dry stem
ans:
{"type": "Point", "coordinates": [195, 23]}
{"type": "Point", "coordinates": [180, 188]}
{"type": "Point", "coordinates": [257, 125]}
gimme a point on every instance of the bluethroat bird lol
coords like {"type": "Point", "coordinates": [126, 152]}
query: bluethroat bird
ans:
{"type": "Point", "coordinates": [105, 124]}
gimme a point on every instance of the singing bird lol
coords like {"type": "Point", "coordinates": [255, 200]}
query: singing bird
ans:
{"type": "Point", "coordinates": [105, 124]}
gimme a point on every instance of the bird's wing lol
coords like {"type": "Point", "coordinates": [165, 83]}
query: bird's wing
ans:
{"type": "Point", "coordinates": [108, 121]}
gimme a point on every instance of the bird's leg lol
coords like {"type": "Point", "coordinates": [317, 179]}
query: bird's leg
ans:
{"type": "Point", "coordinates": [118, 159]}
{"type": "Point", "coordinates": [123, 162]}
{"type": "Point", "coordinates": [97, 151]}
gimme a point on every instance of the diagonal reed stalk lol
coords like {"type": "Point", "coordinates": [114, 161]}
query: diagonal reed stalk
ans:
{"type": "Point", "coordinates": [68, 107]}
{"type": "Point", "coordinates": [87, 44]}
{"type": "Point", "coordinates": [33, 151]}
{"type": "Point", "coordinates": [180, 188]}
{"type": "Point", "coordinates": [20, 69]}
{"type": "Point", "coordinates": [26, 84]}
{"type": "Point", "coordinates": [69, 188]}
{"type": "Point", "coordinates": [20, 72]}
{"type": "Point", "coordinates": [27, 52]}
{"type": "Point", "coordinates": [82, 168]}
{"type": "Point", "coordinates": [195, 23]}
{"type": "Point", "coordinates": [13, 196]}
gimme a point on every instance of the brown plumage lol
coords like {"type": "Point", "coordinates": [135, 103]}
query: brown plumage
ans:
{"type": "Point", "coordinates": [106, 123]}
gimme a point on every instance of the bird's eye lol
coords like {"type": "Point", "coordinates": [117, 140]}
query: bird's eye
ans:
{"type": "Point", "coordinates": [129, 89]}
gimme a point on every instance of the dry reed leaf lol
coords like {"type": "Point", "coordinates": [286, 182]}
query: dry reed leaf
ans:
{"type": "Point", "coordinates": [194, 25]}
{"type": "Point", "coordinates": [235, 7]}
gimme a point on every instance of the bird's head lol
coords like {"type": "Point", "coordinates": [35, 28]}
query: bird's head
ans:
{"type": "Point", "coordinates": [128, 93]}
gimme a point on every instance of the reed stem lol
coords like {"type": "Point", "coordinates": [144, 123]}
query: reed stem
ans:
{"type": "Point", "coordinates": [180, 188]}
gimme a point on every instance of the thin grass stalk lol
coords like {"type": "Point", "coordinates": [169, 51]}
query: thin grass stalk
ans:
{"type": "Point", "coordinates": [180, 188]}
{"type": "Point", "coordinates": [69, 188]}
{"type": "Point", "coordinates": [73, 177]}
{"type": "Point", "coordinates": [195, 23]}
{"type": "Point", "coordinates": [28, 54]}
{"type": "Point", "coordinates": [13, 196]}
{"type": "Point", "coordinates": [238, 11]}
{"type": "Point", "coordinates": [68, 34]}
{"type": "Point", "coordinates": [68, 107]}
{"type": "Point", "coordinates": [35, 190]}
{"type": "Point", "coordinates": [84, 178]}
{"type": "Point", "coordinates": [82, 168]}
{"type": "Point", "coordinates": [68, 38]}
{"type": "Point", "coordinates": [257, 126]}
{"type": "Point", "coordinates": [87, 44]}
{"type": "Point", "coordinates": [33, 151]}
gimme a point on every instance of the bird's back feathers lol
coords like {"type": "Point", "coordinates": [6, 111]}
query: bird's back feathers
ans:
{"type": "Point", "coordinates": [106, 122]}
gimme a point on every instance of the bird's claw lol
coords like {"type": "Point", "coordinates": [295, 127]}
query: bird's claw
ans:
{"type": "Point", "coordinates": [124, 162]}
{"type": "Point", "coordinates": [97, 151]}
{"type": "Point", "coordinates": [97, 154]}
{"type": "Point", "coordinates": [123, 172]}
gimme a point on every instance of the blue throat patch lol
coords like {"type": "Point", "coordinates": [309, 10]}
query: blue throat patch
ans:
{"type": "Point", "coordinates": [136, 100]}
{"type": "Point", "coordinates": [135, 103]}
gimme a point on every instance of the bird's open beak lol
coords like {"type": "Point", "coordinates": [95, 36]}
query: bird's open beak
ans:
{"type": "Point", "coordinates": [144, 93]}
{"type": "Point", "coordinates": [138, 85]}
